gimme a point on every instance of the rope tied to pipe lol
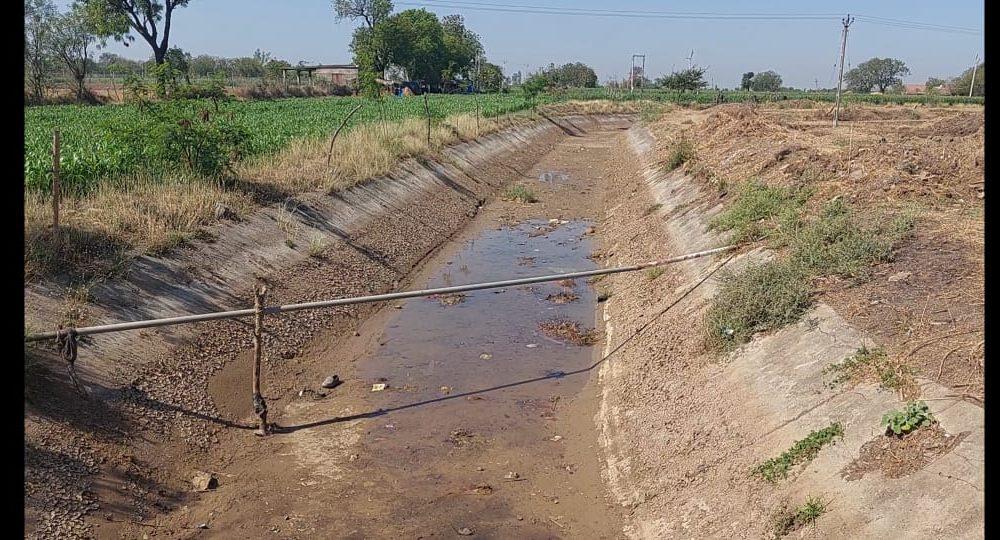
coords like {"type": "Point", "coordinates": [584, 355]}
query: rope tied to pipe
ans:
{"type": "Point", "coordinates": [67, 342]}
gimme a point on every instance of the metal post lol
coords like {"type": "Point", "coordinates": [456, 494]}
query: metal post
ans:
{"type": "Point", "coordinates": [56, 186]}
{"type": "Point", "coordinates": [259, 405]}
{"type": "Point", "coordinates": [840, 82]}
{"type": "Point", "coordinates": [427, 111]}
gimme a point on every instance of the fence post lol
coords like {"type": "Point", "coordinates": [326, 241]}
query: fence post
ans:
{"type": "Point", "coordinates": [56, 187]}
{"type": "Point", "coordinates": [259, 405]}
{"type": "Point", "coordinates": [427, 111]}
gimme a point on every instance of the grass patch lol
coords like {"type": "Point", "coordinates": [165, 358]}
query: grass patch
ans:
{"type": "Point", "coordinates": [803, 451]}
{"type": "Point", "coordinates": [867, 363]}
{"type": "Point", "coordinates": [758, 209]}
{"type": "Point", "coordinates": [316, 246]}
{"type": "Point", "coordinates": [761, 297]}
{"type": "Point", "coordinates": [841, 243]}
{"type": "Point", "coordinates": [520, 193]}
{"type": "Point", "coordinates": [655, 272]}
{"type": "Point", "coordinates": [682, 152]}
{"type": "Point", "coordinates": [837, 242]}
{"type": "Point", "coordinates": [790, 520]}
{"type": "Point", "coordinates": [652, 208]}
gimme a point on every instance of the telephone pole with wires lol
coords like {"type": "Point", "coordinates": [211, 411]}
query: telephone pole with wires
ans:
{"type": "Point", "coordinates": [840, 81]}
{"type": "Point", "coordinates": [975, 67]}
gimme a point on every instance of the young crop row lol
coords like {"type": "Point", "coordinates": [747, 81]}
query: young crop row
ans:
{"type": "Point", "coordinates": [118, 140]}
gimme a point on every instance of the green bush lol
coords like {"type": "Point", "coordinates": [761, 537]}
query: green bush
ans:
{"type": "Point", "coordinates": [682, 152]}
{"type": "Point", "coordinates": [755, 205]}
{"type": "Point", "coordinates": [761, 297]}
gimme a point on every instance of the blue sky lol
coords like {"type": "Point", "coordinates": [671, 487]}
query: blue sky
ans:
{"type": "Point", "coordinates": [804, 52]}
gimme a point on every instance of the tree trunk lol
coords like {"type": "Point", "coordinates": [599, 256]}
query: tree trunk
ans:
{"type": "Point", "coordinates": [79, 87]}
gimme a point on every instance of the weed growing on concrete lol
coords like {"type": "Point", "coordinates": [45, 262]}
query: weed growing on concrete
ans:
{"type": "Point", "coordinates": [682, 152]}
{"type": "Point", "coordinates": [761, 297]}
{"type": "Point", "coordinates": [790, 520]}
{"type": "Point", "coordinates": [803, 451]}
{"type": "Point", "coordinates": [864, 362]}
{"type": "Point", "coordinates": [520, 193]}
{"type": "Point", "coordinates": [655, 272]}
{"type": "Point", "coordinates": [915, 415]}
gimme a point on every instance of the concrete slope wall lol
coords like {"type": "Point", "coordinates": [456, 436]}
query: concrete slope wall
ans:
{"type": "Point", "coordinates": [715, 418]}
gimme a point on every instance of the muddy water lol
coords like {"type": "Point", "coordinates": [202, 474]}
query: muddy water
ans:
{"type": "Point", "coordinates": [474, 429]}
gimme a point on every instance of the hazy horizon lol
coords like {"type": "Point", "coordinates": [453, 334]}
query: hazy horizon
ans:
{"type": "Point", "coordinates": [803, 51]}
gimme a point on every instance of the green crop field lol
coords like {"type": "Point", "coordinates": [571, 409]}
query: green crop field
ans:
{"type": "Point", "coordinates": [105, 141]}
{"type": "Point", "coordinates": [101, 142]}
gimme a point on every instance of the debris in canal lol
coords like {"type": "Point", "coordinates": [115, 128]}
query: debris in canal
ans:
{"type": "Point", "coordinates": [448, 299]}
{"type": "Point", "coordinates": [525, 261]}
{"type": "Point", "coordinates": [378, 387]}
{"type": "Point", "coordinates": [568, 283]}
{"type": "Point", "coordinates": [332, 381]}
{"type": "Point", "coordinates": [568, 332]}
{"type": "Point", "coordinates": [562, 298]}
{"type": "Point", "coordinates": [480, 489]}
{"type": "Point", "coordinates": [485, 356]}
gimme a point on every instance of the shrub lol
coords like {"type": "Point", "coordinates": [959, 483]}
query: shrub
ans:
{"type": "Point", "coordinates": [682, 152]}
{"type": "Point", "coordinates": [761, 297]}
{"type": "Point", "coordinates": [802, 451]}
{"type": "Point", "coordinates": [755, 205]}
{"type": "Point", "coordinates": [520, 193]}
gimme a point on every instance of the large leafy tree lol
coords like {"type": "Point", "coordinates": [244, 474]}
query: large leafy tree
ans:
{"type": "Point", "coordinates": [70, 43]}
{"type": "Point", "coordinates": [570, 75]}
{"type": "Point", "coordinates": [119, 19]}
{"type": "Point", "coordinates": [767, 81]}
{"type": "Point", "coordinates": [39, 16]}
{"type": "Point", "coordinates": [462, 47]}
{"type": "Point", "coordinates": [881, 73]}
{"type": "Point", "coordinates": [746, 80]}
{"type": "Point", "coordinates": [369, 54]}
{"type": "Point", "coordinates": [489, 77]}
{"type": "Point", "coordinates": [414, 40]}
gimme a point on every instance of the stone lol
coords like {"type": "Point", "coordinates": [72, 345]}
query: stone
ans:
{"type": "Point", "coordinates": [204, 481]}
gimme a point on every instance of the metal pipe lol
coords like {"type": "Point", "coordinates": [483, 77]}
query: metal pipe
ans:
{"type": "Point", "coordinates": [235, 314]}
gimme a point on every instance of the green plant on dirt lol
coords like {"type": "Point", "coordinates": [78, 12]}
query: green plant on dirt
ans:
{"type": "Point", "coordinates": [520, 193]}
{"type": "Point", "coordinates": [916, 414]}
{"type": "Point", "coordinates": [652, 208]}
{"type": "Point", "coordinates": [681, 153]}
{"type": "Point", "coordinates": [841, 243]}
{"type": "Point", "coordinates": [761, 297]}
{"type": "Point", "coordinates": [891, 375]}
{"type": "Point", "coordinates": [650, 112]}
{"type": "Point", "coordinates": [803, 451]}
{"type": "Point", "coordinates": [790, 520]}
{"type": "Point", "coordinates": [759, 209]}
{"type": "Point", "coordinates": [655, 272]}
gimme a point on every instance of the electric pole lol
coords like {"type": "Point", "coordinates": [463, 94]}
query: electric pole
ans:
{"type": "Point", "coordinates": [974, 68]}
{"type": "Point", "coordinates": [840, 82]}
{"type": "Point", "coordinates": [631, 75]}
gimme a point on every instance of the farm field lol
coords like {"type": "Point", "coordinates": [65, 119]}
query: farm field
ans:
{"type": "Point", "coordinates": [116, 140]}
{"type": "Point", "coordinates": [104, 141]}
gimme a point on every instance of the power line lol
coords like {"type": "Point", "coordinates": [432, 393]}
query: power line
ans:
{"type": "Point", "coordinates": [683, 15]}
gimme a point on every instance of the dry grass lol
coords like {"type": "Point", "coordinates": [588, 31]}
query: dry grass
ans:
{"type": "Point", "coordinates": [153, 215]}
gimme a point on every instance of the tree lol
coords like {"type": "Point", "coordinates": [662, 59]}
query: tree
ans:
{"type": "Point", "coordinates": [462, 47]}
{"type": "Point", "coordinates": [960, 85]}
{"type": "Point", "coordinates": [767, 81]}
{"type": "Point", "coordinates": [70, 43]}
{"type": "Point", "coordinates": [39, 16]}
{"type": "Point", "coordinates": [180, 62]}
{"type": "Point", "coordinates": [247, 66]}
{"type": "Point", "coordinates": [369, 54]}
{"type": "Point", "coordinates": [204, 65]}
{"type": "Point", "coordinates": [371, 11]}
{"type": "Point", "coordinates": [876, 72]}
{"type": "Point", "coordinates": [692, 78]}
{"type": "Point", "coordinates": [117, 19]}
{"type": "Point", "coordinates": [745, 82]}
{"type": "Point", "coordinates": [490, 77]}
{"type": "Point", "coordinates": [414, 40]}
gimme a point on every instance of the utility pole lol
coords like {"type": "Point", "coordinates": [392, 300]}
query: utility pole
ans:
{"type": "Point", "coordinates": [840, 82]}
{"type": "Point", "coordinates": [974, 68]}
{"type": "Point", "coordinates": [631, 73]}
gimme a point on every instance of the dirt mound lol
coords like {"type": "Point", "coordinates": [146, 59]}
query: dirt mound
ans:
{"type": "Point", "coordinates": [861, 112]}
{"type": "Point", "coordinates": [896, 457]}
{"type": "Point", "coordinates": [961, 124]}
{"type": "Point", "coordinates": [730, 121]}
